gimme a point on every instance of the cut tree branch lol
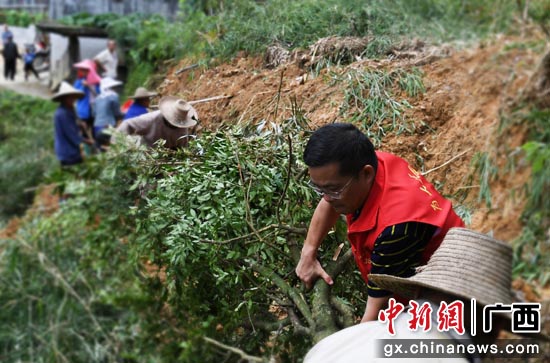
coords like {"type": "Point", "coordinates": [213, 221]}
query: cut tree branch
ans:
{"type": "Point", "coordinates": [215, 98]}
{"type": "Point", "coordinates": [241, 353]}
{"type": "Point", "coordinates": [293, 318]}
{"type": "Point", "coordinates": [345, 311]}
{"type": "Point", "coordinates": [299, 329]}
{"type": "Point", "coordinates": [446, 163]}
{"type": "Point", "coordinates": [334, 269]}
{"type": "Point", "coordinates": [181, 70]}
{"type": "Point", "coordinates": [279, 94]}
{"type": "Point", "coordinates": [288, 290]}
{"type": "Point", "coordinates": [251, 234]}
{"type": "Point", "coordinates": [287, 181]}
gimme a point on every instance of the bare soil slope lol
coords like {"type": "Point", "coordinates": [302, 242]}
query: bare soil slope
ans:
{"type": "Point", "coordinates": [459, 113]}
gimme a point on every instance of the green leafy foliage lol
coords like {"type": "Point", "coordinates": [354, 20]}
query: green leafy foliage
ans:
{"type": "Point", "coordinates": [218, 30]}
{"type": "Point", "coordinates": [533, 246]}
{"type": "Point", "coordinates": [58, 305]}
{"type": "Point", "coordinates": [487, 171]}
{"type": "Point", "coordinates": [252, 26]}
{"type": "Point", "coordinates": [221, 223]}
{"type": "Point", "coordinates": [26, 149]}
{"type": "Point", "coordinates": [370, 100]}
{"type": "Point", "coordinates": [215, 222]}
{"type": "Point", "coordinates": [20, 18]}
{"type": "Point", "coordinates": [539, 11]}
{"type": "Point", "coordinates": [89, 20]}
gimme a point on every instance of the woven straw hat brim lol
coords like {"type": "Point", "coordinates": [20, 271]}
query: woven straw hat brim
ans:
{"type": "Point", "coordinates": [143, 93]}
{"type": "Point", "coordinates": [108, 82]}
{"type": "Point", "coordinates": [65, 89]}
{"type": "Point", "coordinates": [467, 264]}
{"type": "Point", "coordinates": [410, 287]}
{"type": "Point", "coordinates": [57, 97]}
{"type": "Point", "coordinates": [168, 109]}
{"type": "Point", "coordinates": [148, 95]}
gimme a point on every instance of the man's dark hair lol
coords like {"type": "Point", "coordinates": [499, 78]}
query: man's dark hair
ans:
{"type": "Point", "coordinates": [341, 143]}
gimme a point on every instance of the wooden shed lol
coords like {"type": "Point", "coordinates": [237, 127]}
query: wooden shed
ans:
{"type": "Point", "coordinates": [62, 69]}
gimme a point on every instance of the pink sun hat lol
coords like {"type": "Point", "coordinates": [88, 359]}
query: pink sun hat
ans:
{"type": "Point", "coordinates": [93, 77]}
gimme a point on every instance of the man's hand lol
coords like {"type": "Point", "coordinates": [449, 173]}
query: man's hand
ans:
{"type": "Point", "coordinates": [309, 269]}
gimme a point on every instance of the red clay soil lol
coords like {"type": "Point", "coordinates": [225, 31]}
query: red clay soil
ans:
{"type": "Point", "coordinates": [45, 202]}
{"type": "Point", "coordinates": [464, 93]}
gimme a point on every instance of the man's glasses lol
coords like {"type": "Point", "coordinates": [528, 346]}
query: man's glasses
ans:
{"type": "Point", "coordinates": [332, 194]}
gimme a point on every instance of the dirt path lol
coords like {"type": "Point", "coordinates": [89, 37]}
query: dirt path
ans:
{"type": "Point", "coordinates": [32, 87]}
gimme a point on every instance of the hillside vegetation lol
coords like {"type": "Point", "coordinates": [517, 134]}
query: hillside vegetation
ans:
{"type": "Point", "coordinates": [189, 255]}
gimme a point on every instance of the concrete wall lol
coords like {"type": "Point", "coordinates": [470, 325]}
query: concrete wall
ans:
{"type": "Point", "coordinates": [60, 8]}
{"type": "Point", "coordinates": [60, 68]}
{"type": "Point", "coordinates": [22, 36]}
{"type": "Point", "coordinates": [59, 61]}
{"type": "Point", "coordinates": [32, 6]}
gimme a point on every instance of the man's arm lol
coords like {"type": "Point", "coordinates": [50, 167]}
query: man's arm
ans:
{"type": "Point", "coordinates": [100, 60]}
{"type": "Point", "coordinates": [309, 268]}
{"type": "Point", "coordinates": [115, 109]}
{"type": "Point", "coordinates": [127, 127]}
{"type": "Point", "coordinates": [374, 305]}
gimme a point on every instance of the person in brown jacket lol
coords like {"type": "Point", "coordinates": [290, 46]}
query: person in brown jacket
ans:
{"type": "Point", "coordinates": [175, 122]}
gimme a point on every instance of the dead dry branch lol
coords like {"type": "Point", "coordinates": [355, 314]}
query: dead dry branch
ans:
{"type": "Point", "coordinates": [276, 55]}
{"type": "Point", "coordinates": [341, 50]}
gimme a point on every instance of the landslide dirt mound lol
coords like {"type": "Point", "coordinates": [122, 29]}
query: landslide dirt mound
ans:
{"type": "Point", "coordinates": [459, 112]}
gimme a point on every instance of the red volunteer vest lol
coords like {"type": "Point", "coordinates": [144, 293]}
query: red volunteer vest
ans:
{"type": "Point", "coordinates": [399, 194]}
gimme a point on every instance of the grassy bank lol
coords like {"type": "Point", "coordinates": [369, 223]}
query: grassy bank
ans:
{"type": "Point", "coordinates": [26, 149]}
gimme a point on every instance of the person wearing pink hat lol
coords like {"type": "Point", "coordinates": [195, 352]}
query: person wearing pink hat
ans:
{"type": "Point", "coordinates": [88, 82]}
{"type": "Point", "coordinates": [93, 78]}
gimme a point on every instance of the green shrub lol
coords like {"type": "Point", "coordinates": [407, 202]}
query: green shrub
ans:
{"type": "Point", "coordinates": [59, 306]}
{"type": "Point", "coordinates": [532, 247]}
{"type": "Point", "coordinates": [370, 101]}
{"type": "Point", "coordinates": [223, 221]}
{"type": "Point", "coordinates": [26, 150]}
{"type": "Point", "coordinates": [20, 18]}
{"type": "Point", "coordinates": [252, 26]}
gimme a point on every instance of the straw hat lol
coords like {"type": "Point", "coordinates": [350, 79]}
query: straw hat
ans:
{"type": "Point", "coordinates": [83, 65]}
{"type": "Point", "coordinates": [90, 66]}
{"type": "Point", "coordinates": [467, 264]}
{"type": "Point", "coordinates": [66, 90]}
{"type": "Point", "coordinates": [109, 82]}
{"type": "Point", "coordinates": [178, 112]}
{"type": "Point", "coordinates": [142, 92]}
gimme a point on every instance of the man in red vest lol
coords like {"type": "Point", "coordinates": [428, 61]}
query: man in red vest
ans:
{"type": "Point", "coordinates": [396, 219]}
